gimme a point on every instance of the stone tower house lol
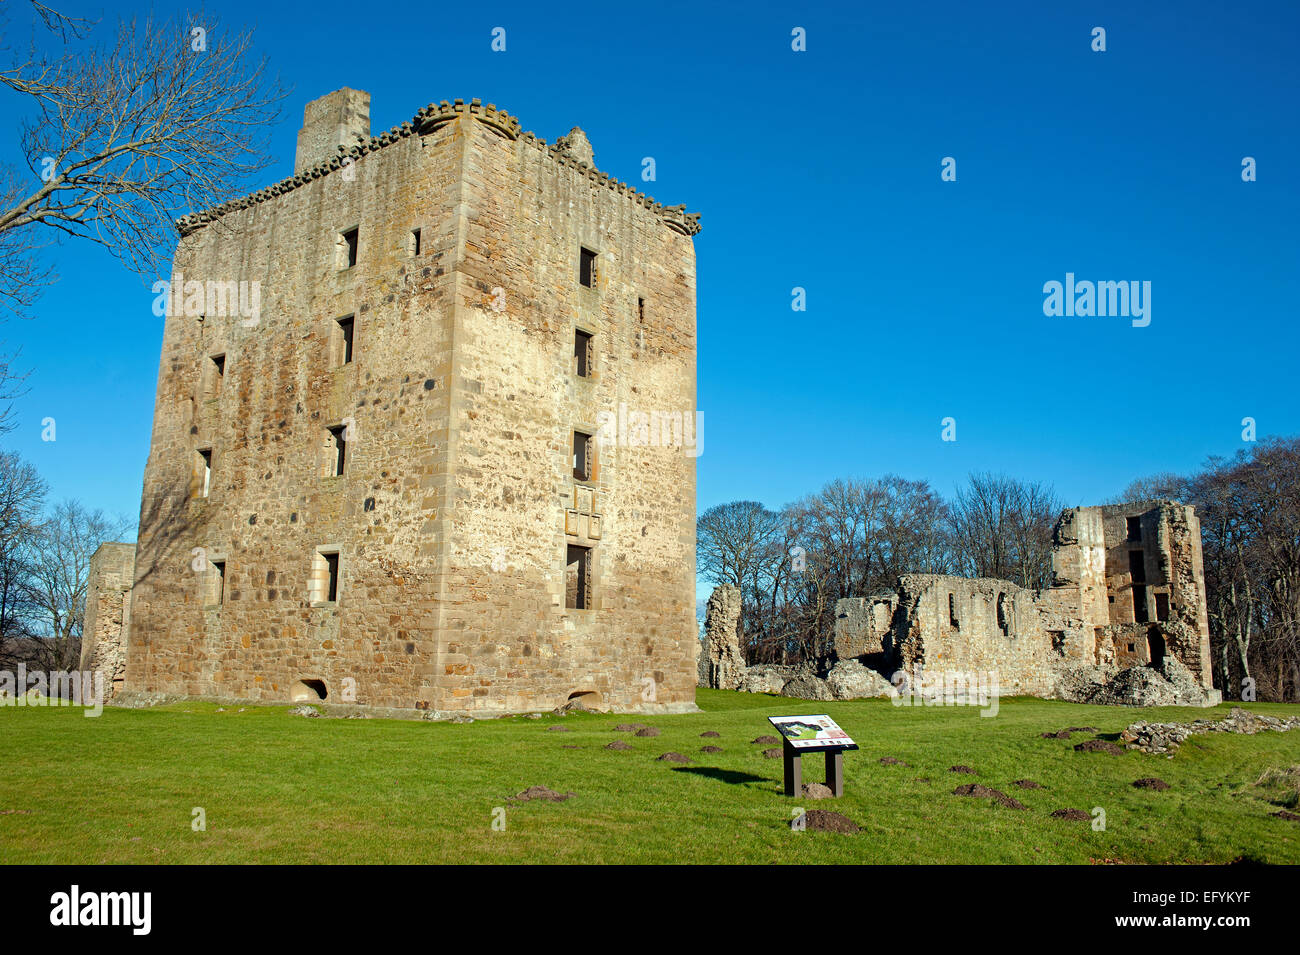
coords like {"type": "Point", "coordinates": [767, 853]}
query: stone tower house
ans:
{"type": "Point", "coordinates": [425, 431]}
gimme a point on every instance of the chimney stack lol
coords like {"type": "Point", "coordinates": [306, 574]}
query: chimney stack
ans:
{"type": "Point", "coordinates": [338, 119]}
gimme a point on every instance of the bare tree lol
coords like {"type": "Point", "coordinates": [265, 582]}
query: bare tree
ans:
{"type": "Point", "coordinates": [126, 135]}
{"type": "Point", "coordinates": [1002, 528]}
{"type": "Point", "coordinates": [22, 494]}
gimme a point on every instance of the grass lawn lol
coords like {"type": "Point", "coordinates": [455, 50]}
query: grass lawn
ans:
{"type": "Point", "coordinates": [278, 788]}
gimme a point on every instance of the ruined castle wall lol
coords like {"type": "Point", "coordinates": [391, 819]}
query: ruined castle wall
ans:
{"type": "Point", "coordinates": [984, 626]}
{"type": "Point", "coordinates": [108, 613]}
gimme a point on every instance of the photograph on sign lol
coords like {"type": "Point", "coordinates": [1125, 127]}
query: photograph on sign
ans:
{"type": "Point", "coordinates": [812, 732]}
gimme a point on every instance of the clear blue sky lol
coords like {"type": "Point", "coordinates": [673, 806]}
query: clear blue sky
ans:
{"type": "Point", "coordinates": [821, 169]}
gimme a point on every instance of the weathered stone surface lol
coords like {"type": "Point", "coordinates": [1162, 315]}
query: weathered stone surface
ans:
{"type": "Point", "coordinates": [721, 624]}
{"type": "Point", "coordinates": [460, 497]}
{"type": "Point", "coordinates": [108, 613]}
{"type": "Point", "coordinates": [806, 686]}
{"type": "Point", "coordinates": [1123, 622]}
{"type": "Point", "coordinates": [766, 678]}
{"type": "Point", "coordinates": [850, 680]}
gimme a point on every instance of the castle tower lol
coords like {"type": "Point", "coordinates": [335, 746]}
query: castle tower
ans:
{"type": "Point", "coordinates": [425, 431]}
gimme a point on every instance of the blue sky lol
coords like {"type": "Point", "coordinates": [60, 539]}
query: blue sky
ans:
{"type": "Point", "coordinates": [821, 169]}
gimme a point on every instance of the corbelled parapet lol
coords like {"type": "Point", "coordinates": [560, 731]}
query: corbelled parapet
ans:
{"type": "Point", "coordinates": [337, 121]}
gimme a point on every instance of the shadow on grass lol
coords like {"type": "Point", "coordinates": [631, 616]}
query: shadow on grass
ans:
{"type": "Point", "coordinates": [730, 776]}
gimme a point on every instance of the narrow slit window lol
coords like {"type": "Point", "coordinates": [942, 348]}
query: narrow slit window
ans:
{"type": "Point", "coordinates": [582, 352]}
{"type": "Point", "coordinates": [582, 450]}
{"type": "Point", "coordinates": [577, 578]}
{"type": "Point", "coordinates": [325, 577]}
{"type": "Point", "coordinates": [348, 247]}
{"type": "Point", "coordinates": [640, 309]}
{"type": "Point", "coordinates": [218, 375]}
{"type": "Point", "coordinates": [952, 612]}
{"type": "Point", "coordinates": [337, 447]}
{"type": "Point", "coordinates": [203, 463]}
{"type": "Point", "coordinates": [415, 242]}
{"type": "Point", "coordinates": [217, 584]}
{"type": "Point", "coordinates": [343, 335]}
{"type": "Point", "coordinates": [587, 268]}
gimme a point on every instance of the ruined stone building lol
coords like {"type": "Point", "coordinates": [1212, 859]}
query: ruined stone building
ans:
{"type": "Point", "coordinates": [410, 468]}
{"type": "Point", "coordinates": [1128, 590]}
{"type": "Point", "coordinates": [1124, 620]}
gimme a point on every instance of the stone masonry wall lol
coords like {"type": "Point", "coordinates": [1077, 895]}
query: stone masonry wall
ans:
{"type": "Point", "coordinates": [108, 613]}
{"type": "Point", "coordinates": [452, 517]}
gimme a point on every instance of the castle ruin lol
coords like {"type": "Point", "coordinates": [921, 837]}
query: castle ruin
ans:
{"type": "Point", "coordinates": [425, 432]}
{"type": "Point", "coordinates": [1128, 591]}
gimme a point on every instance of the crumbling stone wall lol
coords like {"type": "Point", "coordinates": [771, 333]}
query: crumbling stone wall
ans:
{"type": "Point", "coordinates": [1128, 590]}
{"type": "Point", "coordinates": [108, 613]}
{"type": "Point", "coordinates": [722, 631]}
{"type": "Point", "coordinates": [459, 499]}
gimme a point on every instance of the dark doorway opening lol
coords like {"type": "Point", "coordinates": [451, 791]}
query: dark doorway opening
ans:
{"type": "Point", "coordinates": [1156, 644]}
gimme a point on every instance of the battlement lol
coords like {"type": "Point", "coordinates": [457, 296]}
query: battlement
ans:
{"type": "Point", "coordinates": [346, 112]}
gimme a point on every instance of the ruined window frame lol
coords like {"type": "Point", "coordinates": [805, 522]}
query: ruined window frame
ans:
{"type": "Point", "coordinates": [216, 373]}
{"type": "Point", "coordinates": [588, 267]}
{"type": "Point", "coordinates": [584, 353]}
{"type": "Point", "coordinates": [343, 341]}
{"type": "Point", "coordinates": [325, 585]}
{"type": "Point", "coordinates": [215, 583]}
{"type": "Point", "coordinates": [584, 593]}
{"type": "Point", "coordinates": [336, 450]}
{"type": "Point", "coordinates": [203, 473]}
{"type": "Point", "coordinates": [348, 247]}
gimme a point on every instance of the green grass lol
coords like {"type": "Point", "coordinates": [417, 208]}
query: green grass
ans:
{"type": "Point", "coordinates": [276, 788]}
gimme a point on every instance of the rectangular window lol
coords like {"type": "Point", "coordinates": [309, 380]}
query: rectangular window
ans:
{"type": "Point", "coordinates": [217, 583]}
{"type": "Point", "coordinates": [952, 612]}
{"type": "Point", "coordinates": [348, 248]}
{"type": "Point", "coordinates": [343, 331]}
{"type": "Point", "coordinates": [582, 351]}
{"type": "Point", "coordinates": [577, 578]}
{"type": "Point", "coordinates": [337, 449]}
{"type": "Point", "coordinates": [325, 577]}
{"type": "Point", "coordinates": [582, 452]}
{"type": "Point", "coordinates": [1140, 604]}
{"type": "Point", "coordinates": [1162, 606]}
{"type": "Point", "coordinates": [587, 268]}
{"type": "Point", "coordinates": [1134, 528]}
{"type": "Point", "coordinates": [203, 467]}
{"type": "Point", "coordinates": [217, 374]}
{"type": "Point", "coordinates": [1137, 566]}
{"type": "Point", "coordinates": [415, 242]}
{"type": "Point", "coordinates": [640, 309]}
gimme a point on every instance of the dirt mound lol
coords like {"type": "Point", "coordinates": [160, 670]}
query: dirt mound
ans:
{"type": "Point", "coordinates": [822, 820]}
{"type": "Point", "coordinates": [1063, 734]}
{"type": "Point", "coordinates": [766, 739]}
{"type": "Point", "coordinates": [710, 749]}
{"type": "Point", "coordinates": [618, 744]}
{"type": "Point", "coordinates": [541, 792]}
{"type": "Point", "coordinates": [975, 789]}
{"type": "Point", "coordinates": [628, 727]}
{"type": "Point", "coordinates": [962, 769]}
{"type": "Point", "coordinates": [1081, 729]}
{"type": "Point", "coordinates": [818, 791]}
{"type": "Point", "coordinates": [648, 731]}
{"type": "Point", "coordinates": [1151, 782]}
{"type": "Point", "coordinates": [672, 758]}
{"type": "Point", "coordinates": [1286, 814]}
{"type": "Point", "coordinates": [1027, 784]}
{"type": "Point", "coordinates": [1074, 815]}
{"type": "Point", "coordinates": [773, 753]}
{"type": "Point", "coordinates": [1099, 746]}
{"type": "Point", "coordinates": [892, 761]}
{"type": "Point", "coordinates": [710, 734]}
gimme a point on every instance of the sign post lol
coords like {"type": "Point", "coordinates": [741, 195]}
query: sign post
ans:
{"type": "Point", "coordinates": [804, 734]}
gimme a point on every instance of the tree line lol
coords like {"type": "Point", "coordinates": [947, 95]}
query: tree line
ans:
{"type": "Point", "coordinates": [853, 538]}
{"type": "Point", "coordinates": [45, 552]}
